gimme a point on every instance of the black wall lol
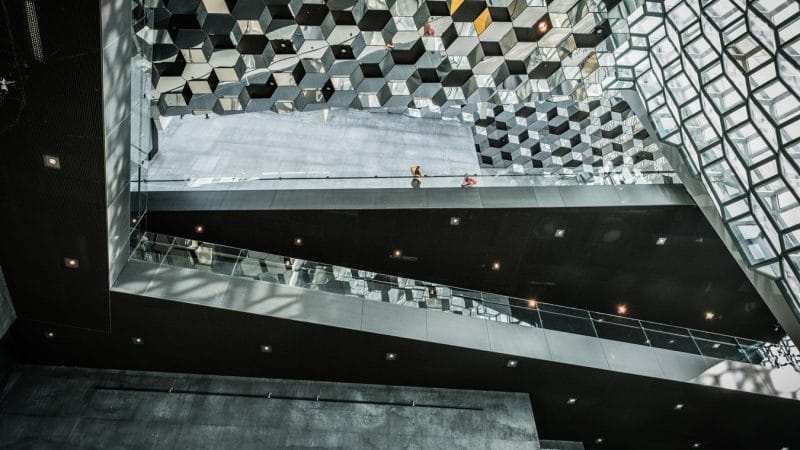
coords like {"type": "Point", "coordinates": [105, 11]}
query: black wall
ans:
{"type": "Point", "coordinates": [48, 215]}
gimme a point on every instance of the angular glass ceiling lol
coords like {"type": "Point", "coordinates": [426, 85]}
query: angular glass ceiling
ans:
{"type": "Point", "coordinates": [540, 80]}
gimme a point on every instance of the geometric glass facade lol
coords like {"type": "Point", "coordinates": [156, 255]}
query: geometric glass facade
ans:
{"type": "Point", "coordinates": [721, 80]}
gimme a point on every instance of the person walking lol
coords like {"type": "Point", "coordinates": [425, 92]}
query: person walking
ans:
{"type": "Point", "coordinates": [416, 174]}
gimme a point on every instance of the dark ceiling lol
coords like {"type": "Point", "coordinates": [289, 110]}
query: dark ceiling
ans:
{"type": "Point", "coordinates": [629, 412]}
{"type": "Point", "coordinates": [607, 256]}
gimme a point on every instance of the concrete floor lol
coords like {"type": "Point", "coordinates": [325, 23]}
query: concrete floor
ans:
{"type": "Point", "coordinates": [332, 143]}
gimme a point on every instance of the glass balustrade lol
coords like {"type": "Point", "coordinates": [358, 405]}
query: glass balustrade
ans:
{"type": "Point", "coordinates": [401, 291]}
{"type": "Point", "coordinates": [400, 181]}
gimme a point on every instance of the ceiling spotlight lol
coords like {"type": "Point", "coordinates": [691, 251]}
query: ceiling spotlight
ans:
{"type": "Point", "coordinates": [512, 363]}
{"type": "Point", "coordinates": [542, 26]}
{"type": "Point", "coordinates": [343, 50]}
{"type": "Point", "coordinates": [298, 241]}
{"type": "Point", "coordinates": [709, 315]}
{"type": "Point", "coordinates": [266, 348]}
{"type": "Point", "coordinates": [622, 309]}
{"type": "Point", "coordinates": [671, 341]}
{"type": "Point", "coordinates": [661, 241]}
{"type": "Point", "coordinates": [397, 253]}
{"type": "Point", "coordinates": [71, 263]}
{"type": "Point", "coordinates": [572, 401]}
{"type": "Point", "coordinates": [455, 221]}
{"type": "Point", "coordinates": [532, 303]}
{"type": "Point", "coordinates": [560, 233]}
{"type": "Point", "coordinates": [199, 229]}
{"type": "Point", "coordinates": [696, 445]}
{"type": "Point", "coordinates": [134, 220]}
{"type": "Point", "coordinates": [496, 266]}
{"type": "Point", "coordinates": [715, 346]}
{"type": "Point", "coordinates": [432, 291]}
{"type": "Point", "coordinates": [137, 341]}
{"type": "Point", "coordinates": [49, 335]}
{"type": "Point", "coordinates": [391, 356]}
{"type": "Point", "coordinates": [51, 162]}
{"type": "Point", "coordinates": [598, 440]}
{"type": "Point", "coordinates": [679, 406]}
{"type": "Point", "coordinates": [784, 448]}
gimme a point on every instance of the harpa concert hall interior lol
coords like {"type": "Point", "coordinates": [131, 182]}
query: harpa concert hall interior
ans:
{"type": "Point", "coordinates": [391, 224]}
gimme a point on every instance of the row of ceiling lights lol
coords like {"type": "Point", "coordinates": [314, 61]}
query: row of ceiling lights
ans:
{"type": "Point", "coordinates": [391, 356]}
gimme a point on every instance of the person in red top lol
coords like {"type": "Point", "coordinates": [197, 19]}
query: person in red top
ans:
{"type": "Point", "coordinates": [468, 181]}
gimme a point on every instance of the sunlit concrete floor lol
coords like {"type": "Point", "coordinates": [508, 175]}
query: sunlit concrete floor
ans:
{"type": "Point", "coordinates": [335, 143]}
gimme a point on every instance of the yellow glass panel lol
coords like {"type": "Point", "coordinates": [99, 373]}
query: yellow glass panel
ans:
{"type": "Point", "coordinates": [482, 21]}
{"type": "Point", "coordinates": [454, 4]}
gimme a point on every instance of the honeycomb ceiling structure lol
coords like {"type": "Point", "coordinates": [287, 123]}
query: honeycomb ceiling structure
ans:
{"type": "Point", "coordinates": [230, 56]}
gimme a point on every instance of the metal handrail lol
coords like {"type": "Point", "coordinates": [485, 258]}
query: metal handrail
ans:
{"type": "Point", "coordinates": [536, 314]}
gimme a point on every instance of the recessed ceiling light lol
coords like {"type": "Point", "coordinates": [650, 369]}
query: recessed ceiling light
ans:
{"type": "Point", "coordinates": [496, 266]}
{"type": "Point", "coordinates": [560, 233]}
{"type": "Point", "coordinates": [532, 303]}
{"type": "Point", "coordinates": [671, 341]}
{"type": "Point", "coordinates": [598, 440]}
{"type": "Point", "coordinates": [134, 220]}
{"type": "Point", "coordinates": [266, 348]}
{"type": "Point", "coordinates": [716, 345]}
{"type": "Point", "coordinates": [709, 315]}
{"type": "Point", "coordinates": [137, 341]}
{"type": "Point", "coordinates": [512, 363]}
{"type": "Point", "coordinates": [661, 241]}
{"type": "Point", "coordinates": [199, 229]}
{"type": "Point", "coordinates": [344, 50]}
{"type": "Point", "coordinates": [49, 335]}
{"type": "Point", "coordinates": [391, 356]}
{"type": "Point", "coordinates": [784, 448]}
{"type": "Point", "coordinates": [71, 263]}
{"type": "Point", "coordinates": [679, 406]}
{"type": "Point", "coordinates": [599, 31]}
{"type": "Point", "coordinates": [696, 445]}
{"type": "Point", "coordinates": [397, 253]}
{"type": "Point", "coordinates": [52, 162]}
{"type": "Point", "coordinates": [622, 309]}
{"type": "Point", "coordinates": [572, 401]}
{"type": "Point", "coordinates": [455, 221]}
{"type": "Point", "coordinates": [542, 26]}
{"type": "Point", "coordinates": [432, 291]}
{"type": "Point", "coordinates": [298, 241]}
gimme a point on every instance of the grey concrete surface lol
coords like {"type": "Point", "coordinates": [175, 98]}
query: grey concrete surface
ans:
{"type": "Point", "coordinates": [338, 142]}
{"type": "Point", "coordinates": [172, 283]}
{"type": "Point", "coordinates": [485, 197]}
{"type": "Point", "coordinates": [63, 408]}
{"type": "Point", "coordinates": [116, 82]}
{"type": "Point", "coordinates": [7, 313]}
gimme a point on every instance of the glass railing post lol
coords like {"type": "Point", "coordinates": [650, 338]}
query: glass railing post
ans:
{"type": "Point", "coordinates": [594, 328]}
{"type": "Point", "coordinates": [694, 341]}
{"type": "Point", "coordinates": [644, 332]}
